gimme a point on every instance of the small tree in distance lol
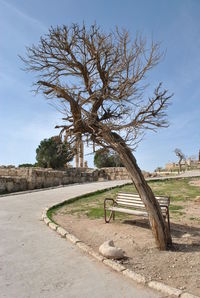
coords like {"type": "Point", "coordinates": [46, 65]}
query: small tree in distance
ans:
{"type": "Point", "coordinates": [99, 78]}
{"type": "Point", "coordinates": [26, 165]}
{"type": "Point", "coordinates": [104, 158]}
{"type": "Point", "coordinates": [53, 153]}
{"type": "Point", "coordinates": [180, 156]}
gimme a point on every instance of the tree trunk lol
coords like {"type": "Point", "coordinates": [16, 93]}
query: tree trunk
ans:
{"type": "Point", "coordinates": [81, 148]}
{"type": "Point", "coordinates": [77, 153]}
{"type": "Point", "coordinates": [159, 227]}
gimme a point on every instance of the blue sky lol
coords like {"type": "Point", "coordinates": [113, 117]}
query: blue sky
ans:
{"type": "Point", "coordinates": [26, 119]}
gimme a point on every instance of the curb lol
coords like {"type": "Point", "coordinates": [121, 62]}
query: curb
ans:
{"type": "Point", "coordinates": [188, 295]}
{"type": "Point", "coordinates": [138, 278]}
{"type": "Point", "coordinates": [165, 288]}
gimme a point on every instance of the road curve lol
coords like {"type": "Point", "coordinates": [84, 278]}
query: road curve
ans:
{"type": "Point", "coordinates": [36, 262]}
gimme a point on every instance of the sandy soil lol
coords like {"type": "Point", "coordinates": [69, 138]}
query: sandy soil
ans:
{"type": "Point", "coordinates": [179, 267]}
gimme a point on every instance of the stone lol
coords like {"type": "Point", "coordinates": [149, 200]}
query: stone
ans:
{"type": "Point", "coordinates": [95, 255]}
{"type": "Point", "coordinates": [83, 247]}
{"type": "Point", "coordinates": [44, 214]}
{"type": "Point", "coordinates": [61, 231]}
{"type": "Point", "coordinates": [188, 295]}
{"type": "Point", "coordinates": [114, 265]}
{"type": "Point", "coordinates": [134, 276]}
{"type": "Point", "coordinates": [47, 221]}
{"type": "Point", "coordinates": [108, 250]}
{"type": "Point", "coordinates": [53, 226]}
{"type": "Point", "coordinates": [72, 238]}
{"type": "Point", "coordinates": [164, 288]}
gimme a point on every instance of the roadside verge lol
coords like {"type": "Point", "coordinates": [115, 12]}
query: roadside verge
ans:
{"type": "Point", "coordinates": [165, 289]}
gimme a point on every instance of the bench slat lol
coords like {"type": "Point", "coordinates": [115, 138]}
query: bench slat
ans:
{"type": "Point", "coordinates": [131, 204]}
{"type": "Point", "coordinates": [137, 196]}
{"type": "Point", "coordinates": [128, 198]}
{"type": "Point", "coordinates": [161, 202]}
{"type": "Point", "coordinates": [133, 197]}
{"type": "Point", "coordinates": [129, 211]}
{"type": "Point", "coordinates": [128, 194]}
{"type": "Point", "coordinates": [130, 201]}
{"type": "Point", "coordinates": [163, 209]}
{"type": "Point", "coordinates": [136, 204]}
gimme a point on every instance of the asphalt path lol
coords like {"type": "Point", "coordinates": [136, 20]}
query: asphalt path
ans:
{"type": "Point", "coordinates": [36, 262]}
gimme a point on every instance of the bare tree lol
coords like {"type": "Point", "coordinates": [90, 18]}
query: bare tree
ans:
{"type": "Point", "coordinates": [180, 156]}
{"type": "Point", "coordinates": [100, 80]}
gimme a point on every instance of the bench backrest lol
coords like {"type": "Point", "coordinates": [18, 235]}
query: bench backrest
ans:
{"type": "Point", "coordinates": [133, 200]}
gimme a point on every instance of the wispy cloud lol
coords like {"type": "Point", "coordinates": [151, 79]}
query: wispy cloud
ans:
{"type": "Point", "coordinates": [25, 16]}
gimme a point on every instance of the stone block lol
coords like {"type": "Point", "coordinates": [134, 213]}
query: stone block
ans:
{"type": "Point", "coordinates": [83, 247]}
{"type": "Point", "coordinates": [164, 288]}
{"type": "Point", "coordinates": [61, 231]}
{"type": "Point", "coordinates": [47, 221]}
{"type": "Point", "coordinates": [10, 186]}
{"type": "Point", "coordinates": [134, 276]}
{"type": "Point", "coordinates": [114, 265]}
{"type": "Point", "coordinates": [188, 295]}
{"type": "Point", "coordinates": [72, 238]}
{"type": "Point", "coordinates": [96, 255]}
{"type": "Point", "coordinates": [53, 226]}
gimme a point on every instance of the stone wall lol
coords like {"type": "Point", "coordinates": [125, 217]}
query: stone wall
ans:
{"type": "Point", "coordinates": [18, 179]}
{"type": "Point", "coordinates": [12, 184]}
{"type": "Point", "coordinates": [117, 173]}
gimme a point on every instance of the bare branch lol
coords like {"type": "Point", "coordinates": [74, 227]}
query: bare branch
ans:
{"type": "Point", "coordinates": [100, 79]}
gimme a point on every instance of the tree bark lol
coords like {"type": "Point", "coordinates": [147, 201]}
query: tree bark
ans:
{"type": "Point", "coordinates": [81, 148]}
{"type": "Point", "coordinates": [159, 226]}
{"type": "Point", "coordinates": [77, 153]}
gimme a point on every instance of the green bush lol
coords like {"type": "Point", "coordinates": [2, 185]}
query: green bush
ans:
{"type": "Point", "coordinates": [104, 158]}
{"type": "Point", "coordinates": [53, 153]}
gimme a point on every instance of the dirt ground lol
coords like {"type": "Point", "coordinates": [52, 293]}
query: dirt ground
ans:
{"type": "Point", "coordinates": [179, 267]}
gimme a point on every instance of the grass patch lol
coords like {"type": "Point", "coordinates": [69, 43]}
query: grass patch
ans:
{"type": "Point", "coordinates": [83, 202]}
{"type": "Point", "coordinates": [174, 208]}
{"type": "Point", "coordinates": [95, 213]}
{"type": "Point", "coordinates": [176, 189]}
{"type": "Point", "coordinates": [91, 205]}
{"type": "Point", "coordinates": [195, 218]}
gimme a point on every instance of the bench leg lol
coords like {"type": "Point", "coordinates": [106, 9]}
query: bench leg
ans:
{"type": "Point", "coordinates": [112, 215]}
{"type": "Point", "coordinates": [168, 220]}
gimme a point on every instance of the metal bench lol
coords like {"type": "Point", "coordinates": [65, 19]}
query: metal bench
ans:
{"type": "Point", "coordinates": [132, 204]}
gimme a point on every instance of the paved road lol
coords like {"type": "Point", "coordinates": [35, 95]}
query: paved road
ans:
{"type": "Point", "coordinates": [36, 262]}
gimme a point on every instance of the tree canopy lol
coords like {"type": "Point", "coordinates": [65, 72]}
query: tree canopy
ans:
{"type": "Point", "coordinates": [53, 153]}
{"type": "Point", "coordinates": [100, 80]}
{"type": "Point", "coordinates": [104, 158]}
{"type": "Point", "coordinates": [26, 165]}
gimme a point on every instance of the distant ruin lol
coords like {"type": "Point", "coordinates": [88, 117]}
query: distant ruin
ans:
{"type": "Point", "coordinates": [190, 163]}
